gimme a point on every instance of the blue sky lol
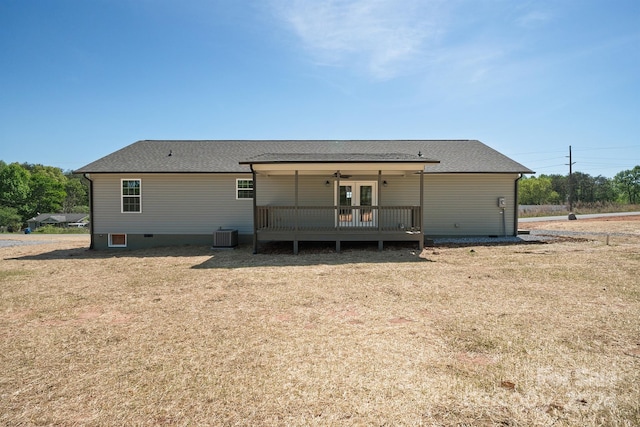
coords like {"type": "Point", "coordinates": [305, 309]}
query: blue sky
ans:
{"type": "Point", "coordinates": [80, 79]}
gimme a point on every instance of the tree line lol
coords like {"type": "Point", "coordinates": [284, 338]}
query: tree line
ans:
{"type": "Point", "coordinates": [29, 189]}
{"type": "Point", "coordinates": [624, 188]}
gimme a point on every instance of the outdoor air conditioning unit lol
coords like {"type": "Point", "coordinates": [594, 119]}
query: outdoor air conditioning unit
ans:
{"type": "Point", "coordinates": [225, 238]}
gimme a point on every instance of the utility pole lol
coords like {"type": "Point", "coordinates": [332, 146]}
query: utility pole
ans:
{"type": "Point", "coordinates": [571, 163]}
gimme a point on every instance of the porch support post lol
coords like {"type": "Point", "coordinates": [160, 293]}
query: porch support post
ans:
{"type": "Point", "coordinates": [338, 210]}
{"type": "Point", "coordinates": [255, 211]}
{"type": "Point", "coordinates": [421, 241]}
{"type": "Point", "coordinates": [378, 213]}
{"type": "Point", "coordinates": [295, 213]}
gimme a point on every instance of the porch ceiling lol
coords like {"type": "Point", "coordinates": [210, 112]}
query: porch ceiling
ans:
{"type": "Point", "coordinates": [331, 169]}
{"type": "Point", "coordinates": [353, 163]}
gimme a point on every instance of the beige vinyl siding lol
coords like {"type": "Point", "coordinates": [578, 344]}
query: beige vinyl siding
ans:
{"type": "Point", "coordinates": [202, 203]}
{"type": "Point", "coordinates": [172, 204]}
{"type": "Point", "coordinates": [400, 190]}
{"type": "Point", "coordinates": [279, 190]}
{"type": "Point", "coordinates": [467, 204]}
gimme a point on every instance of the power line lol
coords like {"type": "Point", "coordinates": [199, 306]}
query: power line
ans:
{"type": "Point", "coordinates": [536, 152]}
{"type": "Point", "coordinates": [581, 150]}
{"type": "Point", "coordinates": [550, 166]}
{"type": "Point", "coordinates": [550, 158]}
{"type": "Point", "coordinates": [609, 148]}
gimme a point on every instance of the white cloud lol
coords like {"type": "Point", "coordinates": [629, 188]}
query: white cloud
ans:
{"type": "Point", "coordinates": [385, 38]}
{"type": "Point", "coordinates": [533, 19]}
{"type": "Point", "coordinates": [451, 45]}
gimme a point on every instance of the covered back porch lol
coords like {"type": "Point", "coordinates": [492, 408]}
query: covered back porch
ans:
{"type": "Point", "coordinates": [316, 198]}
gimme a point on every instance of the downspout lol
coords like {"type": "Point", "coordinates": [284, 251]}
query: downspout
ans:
{"type": "Point", "coordinates": [338, 201]}
{"type": "Point", "coordinates": [378, 212]}
{"type": "Point", "coordinates": [295, 214]}
{"type": "Point", "coordinates": [296, 200]}
{"type": "Point", "coordinates": [337, 196]}
{"type": "Point", "coordinates": [91, 211]}
{"type": "Point", "coordinates": [422, 227]}
{"type": "Point", "coordinates": [255, 210]}
{"type": "Point", "coordinates": [516, 207]}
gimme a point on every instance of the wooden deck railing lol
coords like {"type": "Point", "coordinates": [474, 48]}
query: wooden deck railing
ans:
{"type": "Point", "coordinates": [349, 218]}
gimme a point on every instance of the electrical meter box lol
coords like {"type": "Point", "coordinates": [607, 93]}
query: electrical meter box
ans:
{"type": "Point", "coordinates": [502, 202]}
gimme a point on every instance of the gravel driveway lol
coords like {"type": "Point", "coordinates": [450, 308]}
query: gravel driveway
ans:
{"type": "Point", "coordinates": [10, 240]}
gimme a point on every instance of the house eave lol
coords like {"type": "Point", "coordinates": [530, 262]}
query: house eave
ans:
{"type": "Point", "coordinates": [485, 172]}
{"type": "Point", "coordinates": [181, 172]}
{"type": "Point", "coordinates": [304, 168]}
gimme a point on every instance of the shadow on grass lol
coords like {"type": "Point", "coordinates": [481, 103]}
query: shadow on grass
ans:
{"type": "Point", "coordinates": [270, 254]}
{"type": "Point", "coordinates": [280, 254]}
{"type": "Point", "coordinates": [86, 253]}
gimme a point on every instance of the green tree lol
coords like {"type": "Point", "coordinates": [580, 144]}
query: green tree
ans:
{"type": "Point", "coordinates": [77, 198]}
{"type": "Point", "coordinates": [605, 190]}
{"type": "Point", "coordinates": [47, 190]}
{"type": "Point", "coordinates": [536, 191]}
{"type": "Point", "coordinates": [14, 186]}
{"type": "Point", "coordinates": [559, 184]}
{"type": "Point", "coordinates": [586, 188]}
{"type": "Point", "coordinates": [628, 183]}
{"type": "Point", "coordinates": [583, 187]}
{"type": "Point", "coordinates": [9, 218]}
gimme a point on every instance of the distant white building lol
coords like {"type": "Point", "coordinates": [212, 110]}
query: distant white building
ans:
{"type": "Point", "coordinates": [59, 220]}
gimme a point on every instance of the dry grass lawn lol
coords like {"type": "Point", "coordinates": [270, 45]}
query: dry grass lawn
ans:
{"type": "Point", "coordinates": [512, 335]}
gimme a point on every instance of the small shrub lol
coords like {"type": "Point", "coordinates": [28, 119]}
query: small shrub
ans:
{"type": "Point", "coordinates": [50, 229]}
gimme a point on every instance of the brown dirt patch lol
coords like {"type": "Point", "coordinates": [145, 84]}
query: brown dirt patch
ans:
{"type": "Point", "coordinates": [400, 320]}
{"type": "Point", "coordinates": [635, 352]}
{"type": "Point", "coordinates": [607, 230]}
{"type": "Point", "coordinates": [612, 218]}
{"type": "Point", "coordinates": [475, 359]}
{"type": "Point", "coordinates": [567, 223]}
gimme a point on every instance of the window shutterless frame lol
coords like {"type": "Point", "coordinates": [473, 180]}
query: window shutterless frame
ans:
{"type": "Point", "coordinates": [131, 195]}
{"type": "Point", "coordinates": [244, 189]}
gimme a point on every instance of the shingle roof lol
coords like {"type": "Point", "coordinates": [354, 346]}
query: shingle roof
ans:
{"type": "Point", "coordinates": [338, 158]}
{"type": "Point", "coordinates": [60, 217]}
{"type": "Point", "coordinates": [218, 156]}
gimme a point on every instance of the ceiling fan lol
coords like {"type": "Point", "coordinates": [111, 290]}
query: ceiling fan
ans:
{"type": "Point", "coordinates": [335, 175]}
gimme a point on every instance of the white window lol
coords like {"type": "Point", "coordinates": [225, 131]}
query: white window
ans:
{"type": "Point", "coordinates": [117, 240]}
{"type": "Point", "coordinates": [244, 189]}
{"type": "Point", "coordinates": [131, 195]}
